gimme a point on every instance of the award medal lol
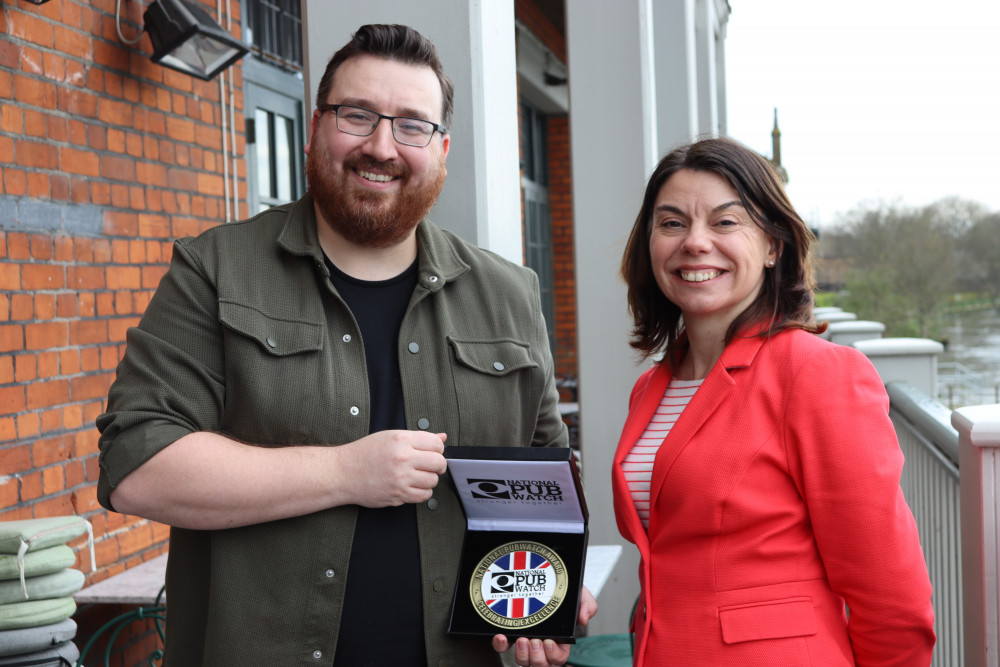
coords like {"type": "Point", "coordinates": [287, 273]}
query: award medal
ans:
{"type": "Point", "coordinates": [518, 585]}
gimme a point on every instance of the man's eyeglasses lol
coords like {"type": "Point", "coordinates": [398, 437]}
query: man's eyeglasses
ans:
{"type": "Point", "coordinates": [362, 122]}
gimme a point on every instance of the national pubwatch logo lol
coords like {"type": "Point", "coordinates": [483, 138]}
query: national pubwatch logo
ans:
{"type": "Point", "coordinates": [518, 585]}
{"type": "Point", "coordinates": [525, 491]}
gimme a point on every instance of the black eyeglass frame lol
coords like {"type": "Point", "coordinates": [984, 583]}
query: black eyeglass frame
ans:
{"type": "Point", "coordinates": [323, 108]}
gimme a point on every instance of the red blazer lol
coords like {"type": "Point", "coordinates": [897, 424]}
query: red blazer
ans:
{"type": "Point", "coordinates": [775, 499]}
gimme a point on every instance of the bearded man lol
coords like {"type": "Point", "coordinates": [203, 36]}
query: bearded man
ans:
{"type": "Point", "coordinates": [284, 402]}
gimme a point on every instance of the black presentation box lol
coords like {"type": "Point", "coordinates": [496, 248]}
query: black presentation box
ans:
{"type": "Point", "coordinates": [525, 542]}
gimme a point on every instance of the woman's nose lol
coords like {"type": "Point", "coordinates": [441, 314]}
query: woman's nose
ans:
{"type": "Point", "coordinates": [698, 240]}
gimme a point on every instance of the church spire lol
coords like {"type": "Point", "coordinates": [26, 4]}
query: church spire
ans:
{"type": "Point", "coordinates": [776, 141]}
{"type": "Point", "coordinates": [776, 150]}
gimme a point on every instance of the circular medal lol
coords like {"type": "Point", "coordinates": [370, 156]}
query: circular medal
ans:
{"type": "Point", "coordinates": [518, 585]}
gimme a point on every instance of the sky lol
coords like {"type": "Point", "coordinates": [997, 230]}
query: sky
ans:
{"type": "Point", "coordinates": [879, 101]}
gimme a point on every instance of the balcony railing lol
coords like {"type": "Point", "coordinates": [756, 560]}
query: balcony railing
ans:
{"type": "Point", "coordinates": [930, 483]}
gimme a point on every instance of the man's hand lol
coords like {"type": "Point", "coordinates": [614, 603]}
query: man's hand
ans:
{"type": "Point", "coordinates": [547, 653]}
{"type": "Point", "coordinates": [390, 468]}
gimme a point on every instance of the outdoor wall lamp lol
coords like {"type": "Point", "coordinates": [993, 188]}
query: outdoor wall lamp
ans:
{"type": "Point", "coordinates": [187, 39]}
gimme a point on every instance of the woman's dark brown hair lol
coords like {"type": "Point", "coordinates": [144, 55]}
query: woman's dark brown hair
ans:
{"type": "Point", "coordinates": [786, 298]}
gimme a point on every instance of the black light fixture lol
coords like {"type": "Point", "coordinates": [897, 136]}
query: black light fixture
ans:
{"type": "Point", "coordinates": [187, 39]}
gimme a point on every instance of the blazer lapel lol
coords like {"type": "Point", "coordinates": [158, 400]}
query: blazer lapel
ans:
{"type": "Point", "coordinates": [716, 388]}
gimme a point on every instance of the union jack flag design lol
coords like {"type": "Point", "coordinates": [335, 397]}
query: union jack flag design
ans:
{"type": "Point", "coordinates": [499, 584]}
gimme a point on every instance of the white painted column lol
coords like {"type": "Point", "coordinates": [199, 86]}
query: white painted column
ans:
{"type": "Point", "coordinates": [912, 360]}
{"type": "Point", "coordinates": [706, 23]}
{"type": "Point", "coordinates": [979, 461]}
{"type": "Point", "coordinates": [612, 112]}
{"type": "Point", "coordinates": [676, 58]}
{"type": "Point", "coordinates": [481, 200]}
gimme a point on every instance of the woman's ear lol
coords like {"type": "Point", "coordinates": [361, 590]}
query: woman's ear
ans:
{"type": "Point", "coordinates": [775, 255]}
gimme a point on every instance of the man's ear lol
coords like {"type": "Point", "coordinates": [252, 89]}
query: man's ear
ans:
{"type": "Point", "coordinates": [317, 115]}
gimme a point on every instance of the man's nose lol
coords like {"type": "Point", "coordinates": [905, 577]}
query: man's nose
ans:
{"type": "Point", "coordinates": [380, 144]}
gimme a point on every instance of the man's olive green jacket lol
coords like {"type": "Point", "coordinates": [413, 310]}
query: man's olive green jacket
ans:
{"type": "Point", "coordinates": [247, 337]}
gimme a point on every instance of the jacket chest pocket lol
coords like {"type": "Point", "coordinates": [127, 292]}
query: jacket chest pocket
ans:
{"type": "Point", "coordinates": [273, 366]}
{"type": "Point", "coordinates": [498, 389]}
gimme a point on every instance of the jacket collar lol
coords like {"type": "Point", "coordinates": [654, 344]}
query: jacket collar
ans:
{"type": "Point", "coordinates": [437, 255]}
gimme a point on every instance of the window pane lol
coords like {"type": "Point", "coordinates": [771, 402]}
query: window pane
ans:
{"type": "Point", "coordinates": [283, 157]}
{"type": "Point", "coordinates": [263, 130]}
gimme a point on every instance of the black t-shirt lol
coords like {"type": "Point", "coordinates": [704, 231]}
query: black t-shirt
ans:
{"type": "Point", "coordinates": [382, 619]}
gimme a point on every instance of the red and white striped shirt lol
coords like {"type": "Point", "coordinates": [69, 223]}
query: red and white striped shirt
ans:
{"type": "Point", "coordinates": [638, 464]}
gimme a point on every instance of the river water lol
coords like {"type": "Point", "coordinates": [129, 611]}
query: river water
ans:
{"type": "Point", "coordinates": [973, 340]}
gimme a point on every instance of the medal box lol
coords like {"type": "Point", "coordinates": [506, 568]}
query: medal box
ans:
{"type": "Point", "coordinates": [525, 542]}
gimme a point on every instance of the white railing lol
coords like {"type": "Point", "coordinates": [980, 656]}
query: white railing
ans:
{"type": "Point", "coordinates": [930, 482]}
{"type": "Point", "coordinates": [979, 452]}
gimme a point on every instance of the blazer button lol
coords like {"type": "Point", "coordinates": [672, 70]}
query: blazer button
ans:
{"type": "Point", "coordinates": [413, 348]}
{"type": "Point", "coordinates": [432, 504]}
{"type": "Point", "coordinates": [423, 423]}
{"type": "Point", "coordinates": [271, 342]}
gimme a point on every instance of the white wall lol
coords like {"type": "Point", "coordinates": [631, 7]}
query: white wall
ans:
{"type": "Point", "coordinates": [609, 64]}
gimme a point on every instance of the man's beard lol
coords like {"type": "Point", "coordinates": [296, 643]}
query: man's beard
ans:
{"type": "Point", "coordinates": [366, 218]}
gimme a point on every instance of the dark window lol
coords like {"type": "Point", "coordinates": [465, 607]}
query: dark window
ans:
{"type": "Point", "coordinates": [537, 217]}
{"type": "Point", "coordinates": [275, 30]}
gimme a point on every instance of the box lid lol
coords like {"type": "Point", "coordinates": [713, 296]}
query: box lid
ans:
{"type": "Point", "coordinates": [518, 488]}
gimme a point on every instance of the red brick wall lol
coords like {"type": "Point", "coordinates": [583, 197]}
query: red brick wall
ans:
{"type": "Point", "coordinates": [105, 158]}
{"type": "Point", "coordinates": [563, 264]}
{"type": "Point", "coordinates": [534, 19]}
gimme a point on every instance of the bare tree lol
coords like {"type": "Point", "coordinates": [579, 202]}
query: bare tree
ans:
{"type": "Point", "coordinates": [904, 262]}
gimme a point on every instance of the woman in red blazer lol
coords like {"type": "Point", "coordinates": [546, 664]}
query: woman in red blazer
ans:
{"type": "Point", "coordinates": [758, 471]}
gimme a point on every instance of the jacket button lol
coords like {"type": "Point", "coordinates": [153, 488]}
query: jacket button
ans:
{"type": "Point", "coordinates": [271, 342]}
{"type": "Point", "coordinates": [329, 573]}
{"type": "Point", "coordinates": [438, 585]}
{"type": "Point", "coordinates": [432, 504]}
{"type": "Point", "coordinates": [497, 365]}
{"type": "Point", "coordinates": [413, 347]}
{"type": "Point", "coordinates": [355, 411]}
{"type": "Point", "coordinates": [347, 338]}
{"type": "Point", "coordinates": [423, 423]}
{"type": "Point", "coordinates": [432, 279]}
{"type": "Point", "coordinates": [317, 654]}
